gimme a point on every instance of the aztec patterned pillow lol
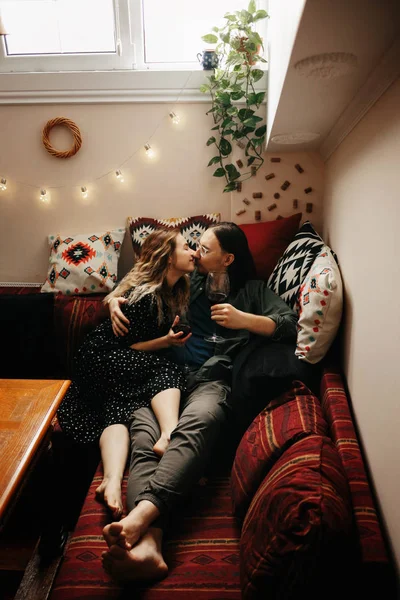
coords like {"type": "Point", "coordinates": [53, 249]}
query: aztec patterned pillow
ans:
{"type": "Point", "coordinates": [191, 228]}
{"type": "Point", "coordinates": [295, 263]}
{"type": "Point", "coordinates": [320, 305]}
{"type": "Point", "coordinates": [83, 263]}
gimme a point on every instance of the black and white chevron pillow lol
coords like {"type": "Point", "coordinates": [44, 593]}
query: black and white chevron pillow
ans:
{"type": "Point", "coordinates": [292, 268]}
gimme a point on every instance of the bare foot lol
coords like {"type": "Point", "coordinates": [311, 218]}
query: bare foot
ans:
{"type": "Point", "coordinates": [144, 561]}
{"type": "Point", "coordinates": [109, 492]}
{"type": "Point", "coordinates": [131, 528]}
{"type": "Point", "coordinates": [162, 444]}
{"type": "Point", "coordinates": [115, 534]}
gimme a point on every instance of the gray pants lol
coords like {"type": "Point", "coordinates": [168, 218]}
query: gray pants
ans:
{"type": "Point", "coordinates": [165, 481]}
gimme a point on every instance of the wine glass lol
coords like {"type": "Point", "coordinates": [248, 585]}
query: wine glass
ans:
{"type": "Point", "coordinates": [217, 290]}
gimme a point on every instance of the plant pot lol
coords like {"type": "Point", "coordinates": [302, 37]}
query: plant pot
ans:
{"type": "Point", "coordinates": [208, 59]}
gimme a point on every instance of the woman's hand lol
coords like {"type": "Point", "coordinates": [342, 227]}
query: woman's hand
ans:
{"type": "Point", "coordinates": [228, 316]}
{"type": "Point", "coordinates": [176, 339]}
{"type": "Point", "coordinates": [119, 321]}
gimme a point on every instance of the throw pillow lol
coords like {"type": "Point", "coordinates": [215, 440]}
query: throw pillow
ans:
{"type": "Point", "coordinates": [268, 241]}
{"type": "Point", "coordinates": [294, 415]}
{"type": "Point", "coordinates": [191, 228]}
{"type": "Point", "coordinates": [298, 531]}
{"type": "Point", "coordinates": [85, 263]}
{"type": "Point", "coordinates": [320, 305]}
{"type": "Point", "coordinates": [291, 270]}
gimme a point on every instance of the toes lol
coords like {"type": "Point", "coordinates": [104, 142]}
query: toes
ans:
{"type": "Point", "coordinates": [116, 529]}
{"type": "Point", "coordinates": [99, 493]}
{"type": "Point", "coordinates": [117, 512]}
{"type": "Point", "coordinates": [117, 552]}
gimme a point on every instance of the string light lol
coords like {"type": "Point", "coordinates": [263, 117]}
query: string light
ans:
{"type": "Point", "coordinates": [149, 150]}
{"type": "Point", "coordinates": [43, 196]}
{"type": "Point", "coordinates": [175, 118]}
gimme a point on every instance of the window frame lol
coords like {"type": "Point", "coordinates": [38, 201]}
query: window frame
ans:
{"type": "Point", "coordinates": [129, 15]}
{"type": "Point", "coordinates": [104, 61]}
{"type": "Point", "coordinates": [138, 82]}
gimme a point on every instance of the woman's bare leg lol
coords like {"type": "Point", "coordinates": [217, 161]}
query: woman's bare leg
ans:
{"type": "Point", "coordinates": [114, 448]}
{"type": "Point", "coordinates": [165, 406]}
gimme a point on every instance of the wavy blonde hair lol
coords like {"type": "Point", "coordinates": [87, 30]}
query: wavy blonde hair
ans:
{"type": "Point", "coordinates": [149, 276]}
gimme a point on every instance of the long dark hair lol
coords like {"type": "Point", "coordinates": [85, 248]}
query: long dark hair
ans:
{"type": "Point", "coordinates": [234, 241]}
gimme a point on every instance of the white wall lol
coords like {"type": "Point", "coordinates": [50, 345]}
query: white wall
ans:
{"type": "Point", "coordinates": [176, 183]}
{"type": "Point", "coordinates": [362, 224]}
{"type": "Point", "coordinates": [282, 30]}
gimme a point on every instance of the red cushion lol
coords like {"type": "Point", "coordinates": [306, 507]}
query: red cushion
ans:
{"type": "Point", "coordinates": [269, 240]}
{"type": "Point", "coordinates": [298, 531]}
{"type": "Point", "coordinates": [336, 405]}
{"type": "Point", "coordinates": [74, 317]}
{"type": "Point", "coordinates": [292, 416]}
{"type": "Point", "coordinates": [201, 549]}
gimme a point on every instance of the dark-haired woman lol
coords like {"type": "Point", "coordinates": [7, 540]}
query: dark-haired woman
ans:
{"type": "Point", "coordinates": [155, 487]}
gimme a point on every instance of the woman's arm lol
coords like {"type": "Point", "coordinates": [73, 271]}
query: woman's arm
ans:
{"type": "Point", "coordinates": [120, 323]}
{"type": "Point", "coordinates": [233, 318]}
{"type": "Point", "coordinates": [259, 310]}
{"type": "Point", "coordinates": [165, 341]}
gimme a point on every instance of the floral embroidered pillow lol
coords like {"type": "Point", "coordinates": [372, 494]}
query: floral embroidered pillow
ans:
{"type": "Point", "coordinates": [85, 263]}
{"type": "Point", "coordinates": [320, 305]}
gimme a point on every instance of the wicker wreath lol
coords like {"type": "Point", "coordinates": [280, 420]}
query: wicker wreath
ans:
{"type": "Point", "coordinates": [74, 130]}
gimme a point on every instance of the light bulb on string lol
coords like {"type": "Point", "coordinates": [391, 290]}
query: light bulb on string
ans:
{"type": "Point", "coordinates": [84, 192]}
{"type": "Point", "coordinates": [43, 196]}
{"type": "Point", "coordinates": [3, 184]}
{"type": "Point", "coordinates": [119, 175]}
{"type": "Point", "coordinates": [149, 151]}
{"type": "Point", "coordinates": [174, 117]}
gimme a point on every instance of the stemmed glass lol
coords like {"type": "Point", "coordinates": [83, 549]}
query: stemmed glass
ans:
{"type": "Point", "coordinates": [217, 291]}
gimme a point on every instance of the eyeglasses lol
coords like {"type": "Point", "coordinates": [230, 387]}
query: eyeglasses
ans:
{"type": "Point", "coordinates": [203, 250]}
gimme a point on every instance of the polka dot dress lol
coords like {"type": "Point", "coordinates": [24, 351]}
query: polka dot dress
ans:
{"type": "Point", "coordinates": [111, 380]}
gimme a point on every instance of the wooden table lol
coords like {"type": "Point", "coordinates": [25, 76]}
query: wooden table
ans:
{"type": "Point", "coordinates": [27, 408]}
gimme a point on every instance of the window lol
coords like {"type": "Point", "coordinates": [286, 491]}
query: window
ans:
{"type": "Point", "coordinates": [173, 28]}
{"type": "Point", "coordinates": [61, 27]}
{"type": "Point", "coordinates": [87, 35]}
{"type": "Point", "coordinates": [64, 35]}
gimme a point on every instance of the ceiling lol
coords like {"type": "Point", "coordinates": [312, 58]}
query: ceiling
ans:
{"type": "Point", "coordinates": [365, 28]}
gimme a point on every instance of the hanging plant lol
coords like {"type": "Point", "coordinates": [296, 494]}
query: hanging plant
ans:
{"type": "Point", "coordinates": [238, 47]}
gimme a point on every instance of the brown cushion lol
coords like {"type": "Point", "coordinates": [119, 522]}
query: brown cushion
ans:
{"type": "Point", "coordinates": [292, 416]}
{"type": "Point", "coordinates": [298, 531]}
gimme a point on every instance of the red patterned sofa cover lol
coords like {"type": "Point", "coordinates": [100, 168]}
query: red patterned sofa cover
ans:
{"type": "Point", "coordinates": [203, 548]}
{"type": "Point", "coordinates": [207, 554]}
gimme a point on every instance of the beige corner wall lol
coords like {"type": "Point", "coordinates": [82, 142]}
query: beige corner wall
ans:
{"type": "Point", "coordinates": [362, 224]}
{"type": "Point", "coordinates": [175, 183]}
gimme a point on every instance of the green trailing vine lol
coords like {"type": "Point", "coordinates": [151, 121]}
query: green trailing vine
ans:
{"type": "Point", "coordinates": [238, 46]}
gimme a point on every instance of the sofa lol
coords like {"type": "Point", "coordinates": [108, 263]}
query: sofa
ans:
{"type": "Point", "coordinates": [285, 508]}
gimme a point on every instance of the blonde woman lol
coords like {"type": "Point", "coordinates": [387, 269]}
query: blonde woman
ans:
{"type": "Point", "coordinates": [114, 376]}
